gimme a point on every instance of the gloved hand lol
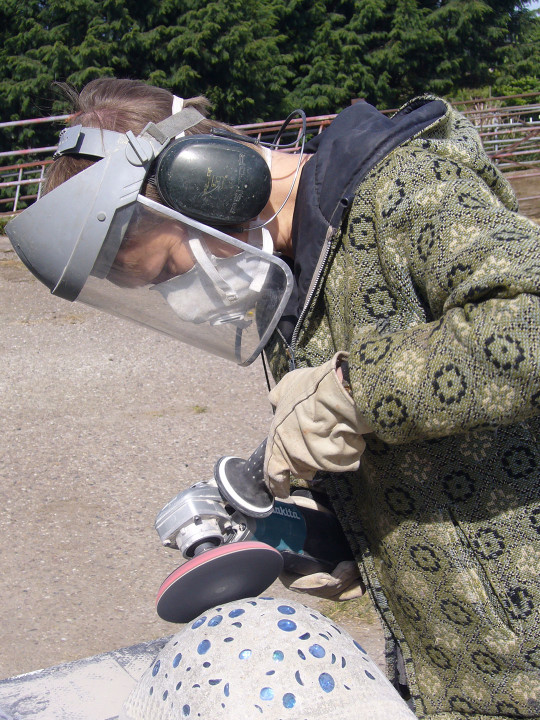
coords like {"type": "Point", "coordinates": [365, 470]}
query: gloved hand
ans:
{"type": "Point", "coordinates": [344, 583]}
{"type": "Point", "coordinates": [316, 426]}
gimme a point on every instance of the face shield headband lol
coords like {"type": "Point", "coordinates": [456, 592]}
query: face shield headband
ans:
{"type": "Point", "coordinates": [96, 239]}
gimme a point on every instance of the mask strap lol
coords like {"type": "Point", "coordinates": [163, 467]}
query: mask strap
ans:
{"type": "Point", "coordinates": [268, 247]}
{"type": "Point", "coordinates": [203, 257]}
{"type": "Point", "coordinates": [177, 104]}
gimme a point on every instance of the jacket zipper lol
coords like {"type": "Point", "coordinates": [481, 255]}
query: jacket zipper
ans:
{"type": "Point", "coordinates": [321, 263]}
{"type": "Point", "coordinates": [323, 257]}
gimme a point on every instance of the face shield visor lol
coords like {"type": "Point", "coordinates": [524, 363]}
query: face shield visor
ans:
{"type": "Point", "coordinates": [96, 239]}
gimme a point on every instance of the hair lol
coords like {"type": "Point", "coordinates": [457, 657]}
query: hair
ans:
{"type": "Point", "coordinates": [120, 105]}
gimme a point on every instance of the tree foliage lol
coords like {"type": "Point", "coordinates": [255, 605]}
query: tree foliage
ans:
{"type": "Point", "coordinates": [259, 59]}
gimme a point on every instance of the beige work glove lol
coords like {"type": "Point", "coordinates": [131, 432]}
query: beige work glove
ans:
{"type": "Point", "coordinates": [316, 426]}
{"type": "Point", "coordinates": [343, 583]}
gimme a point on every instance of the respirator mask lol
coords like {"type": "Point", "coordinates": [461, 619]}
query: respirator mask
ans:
{"type": "Point", "coordinates": [197, 265]}
{"type": "Point", "coordinates": [217, 289]}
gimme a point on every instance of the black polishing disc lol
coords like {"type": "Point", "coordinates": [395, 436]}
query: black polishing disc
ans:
{"type": "Point", "coordinates": [241, 483]}
{"type": "Point", "coordinates": [221, 575]}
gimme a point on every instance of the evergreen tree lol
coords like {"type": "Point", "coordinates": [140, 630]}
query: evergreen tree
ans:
{"type": "Point", "coordinates": [229, 51]}
{"type": "Point", "coordinates": [43, 41]}
{"type": "Point", "coordinates": [259, 59]}
{"type": "Point", "coordinates": [520, 72]}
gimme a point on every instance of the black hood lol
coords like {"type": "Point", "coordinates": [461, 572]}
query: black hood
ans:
{"type": "Point", "coordinates": [358, 139]}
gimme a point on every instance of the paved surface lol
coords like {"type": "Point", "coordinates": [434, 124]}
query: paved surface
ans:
{"type": "Point", "coordinates": [89, 689]}
{"type": "Point", "coordinates": [101, 423]}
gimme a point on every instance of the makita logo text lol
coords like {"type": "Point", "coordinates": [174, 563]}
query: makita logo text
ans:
{"type": "Point", "coordinates": [279, 510]}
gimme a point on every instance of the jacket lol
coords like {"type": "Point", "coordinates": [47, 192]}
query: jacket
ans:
{"type": "Point", "coordinates": [427, 275]}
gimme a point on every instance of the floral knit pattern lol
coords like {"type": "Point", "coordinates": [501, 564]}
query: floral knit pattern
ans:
{"type": "Point", "coordinates": [433, 287]}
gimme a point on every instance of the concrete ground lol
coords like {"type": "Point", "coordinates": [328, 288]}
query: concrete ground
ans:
{"type": "Point", "coordinates": [101, 423]}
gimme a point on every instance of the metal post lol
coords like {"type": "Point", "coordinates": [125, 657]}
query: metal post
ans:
{"type": "Point", "coordinates": [17, 191]}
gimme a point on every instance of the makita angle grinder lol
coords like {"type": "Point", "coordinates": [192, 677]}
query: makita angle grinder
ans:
{"type": "Point", "coordinates": [237, 539]}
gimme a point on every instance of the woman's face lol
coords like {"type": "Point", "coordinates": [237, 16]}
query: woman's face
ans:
{"type": "Point", "coordinates": [153, 256]}
{"type": "Point", "coordinates": [159, 253]}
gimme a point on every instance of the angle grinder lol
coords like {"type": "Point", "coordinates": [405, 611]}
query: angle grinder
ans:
{"type": "Point", "coordinates": [237, 539]}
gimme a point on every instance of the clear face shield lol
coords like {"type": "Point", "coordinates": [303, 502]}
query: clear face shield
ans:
{"type": "Point", "coordinates": [192, 282]}
{"type": "Point", "coordinates": [96, 239]}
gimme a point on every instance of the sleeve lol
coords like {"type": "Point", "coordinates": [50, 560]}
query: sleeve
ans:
{"type": "Point", "coordinates": [471, 358]}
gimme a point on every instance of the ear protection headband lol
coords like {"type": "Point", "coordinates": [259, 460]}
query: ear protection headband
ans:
{"type": "Point", "coordinates": [217, 179]}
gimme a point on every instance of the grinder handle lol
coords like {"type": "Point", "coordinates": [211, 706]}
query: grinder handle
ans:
{"type": "Point", "coordinates": [255, 463]}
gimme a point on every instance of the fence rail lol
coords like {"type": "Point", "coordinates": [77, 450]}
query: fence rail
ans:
{"type": "Point", "coordinates": [510, 134]}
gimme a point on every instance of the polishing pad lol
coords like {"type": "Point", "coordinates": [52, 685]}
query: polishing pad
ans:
{"type": "Point", "coordinates": [229, 572]}
{"type": "Point", "coordinates": [241, 483]}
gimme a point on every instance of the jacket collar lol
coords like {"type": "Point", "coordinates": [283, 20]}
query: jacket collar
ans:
{"type": "Point", "coordinates": [343, 154]}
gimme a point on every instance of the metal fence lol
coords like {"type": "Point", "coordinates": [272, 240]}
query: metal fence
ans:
{"type": "Point", "coordinates": [510, 133]}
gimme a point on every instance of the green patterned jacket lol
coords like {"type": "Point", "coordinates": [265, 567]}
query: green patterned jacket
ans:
{"type": "Point", "coordinates": [432, 285]}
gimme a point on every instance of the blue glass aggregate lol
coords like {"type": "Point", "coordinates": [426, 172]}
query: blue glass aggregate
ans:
{"type": "Point", "coordinates": [302, 655]}
{"type": "Point", "coordinates": [165, 694]}
{"type": "Point", "coordinates": [298, 678]}
{"type": "Point", "coordinates": [155, 669]}
{"type": "Point", "coordinates": [237, 624]}
{"type": "Point", "coordinates": [370, 676]}
{"type": "Point", "coordinates": [277, 656]}
{"type": "Point", "coordinates": [305, 636]}
{"type": "Point", "coordinates": [286, 610]}
{"type": "Point", "coordinates": [151, 691]}
{"type": "Point", "coordinates": [178, 685]}
{"type": "Point", "coordinates": [317, 651]}
{"type": "Point", "coordinates": [287, 625]}
{"type": "Point", "coordinates": [360, 647]}
{"type": "Point", "coordinates": [324, 636]}
{"type": "Point", "coordinates": [271, 672]}
{"type": "Point", "coordinates": [333, 658]}
{"type": "Point", "coordinates": [228, 639]}
{"type": "Point", "coordinates": [259, 708]}
{"type": "Point", "coordinates": [343, 662]}
{"type": "Point", "coordinates": [266, 694]}
{"type": "Point", "coordinates": [204, 647]}
{"type": "Point", "coordinates": [236, 613]}
{"type": "Point", "coordinates": [176, 660]}
{"type": "Point", "coordinates": [252, 602]}
{"type": "Point", "coordinates": [215, 620]}
{"type": "Point", "coordinates": [245, 655]}
{"type": "Point", "coordinates": [226, 689]}
{"type": "Point", "coordinates": [326, 681]}
{"type": "Point", "coordinates": [289, 700]}
{"type": "Point", "coordinates": [186, 710]}
{"type": "Point", "coordinates": [199, 622]}
{"type": "Point", "coordinates": [215, 682]}
{"type": "Point", "coordinates": [206, 664]}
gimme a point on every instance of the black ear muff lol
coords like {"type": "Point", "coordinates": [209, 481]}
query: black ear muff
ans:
{"type": "Point", "coordinates": [215, 180]}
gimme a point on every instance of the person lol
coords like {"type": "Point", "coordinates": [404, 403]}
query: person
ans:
{"type": "Point", "coordinates": [407, 366]}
